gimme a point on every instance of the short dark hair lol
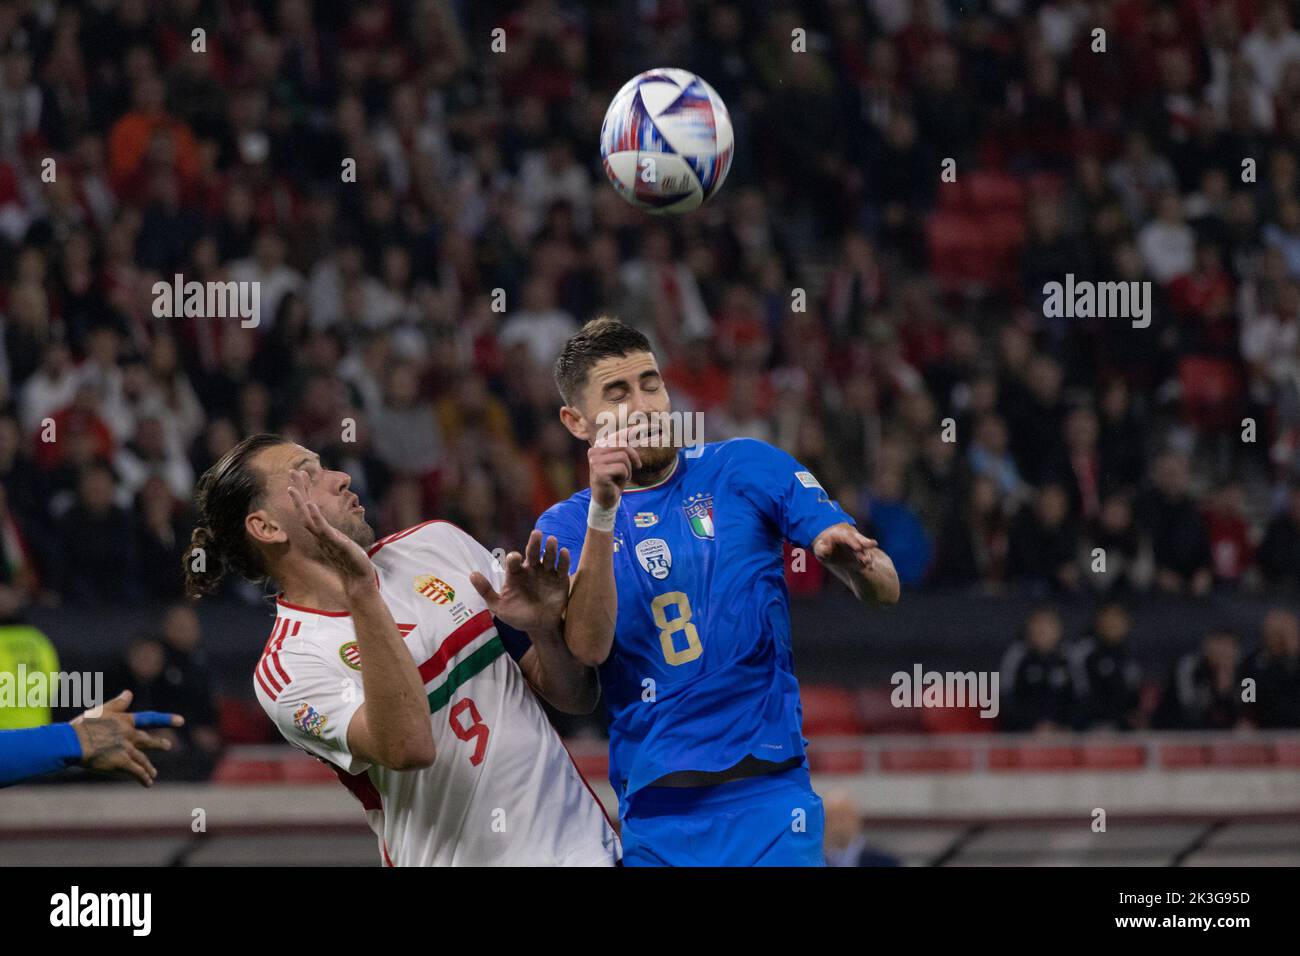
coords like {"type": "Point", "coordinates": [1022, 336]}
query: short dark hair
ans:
{"type": "Point", "coordinates": [598, 339]}
{"type": "Point", "coordinates": [226, 493]}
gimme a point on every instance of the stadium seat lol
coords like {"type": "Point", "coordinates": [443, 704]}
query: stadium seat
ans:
{"type": "Point", "coordinates": [1240, 755]}
{"type": "Point", "coordinates": [991, 192]}
{"type": "Point", "coordinates": [301, 769]}
{"type": "Point", "coordinates": [926, 759]}
{"type": "Point", "coordinates": [245, 770]}
{"type": "Point", "coordinates": [830, 711]}
{"type": "Point", "coordinates": [1211, 390]}
{"type": "Point", "coordinates": [1035, 757]}
{"type": "Point", "coordinates": [837, 761]}
{"type": "Point", "coordinates": [880, 716]}
{"type": "Point", "coordinates": [242, 721]}
{"type": "Point", "coordinates": [1182, 756]}
{"type": "Point", "coordinates": [593, 766]}
{"type": "Point", "coordinates": [955, 720]}
{"type": "Point", "coordinates": [1113, 756]}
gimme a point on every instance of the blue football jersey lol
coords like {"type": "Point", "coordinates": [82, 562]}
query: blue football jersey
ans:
{"type": "Point", "coordinates": [701, 673]}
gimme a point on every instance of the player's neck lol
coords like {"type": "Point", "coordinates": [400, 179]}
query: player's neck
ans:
{"type": "Point", "coordinates": [659, 477]}
{"type": "Point", "coordinates": [312, 585]}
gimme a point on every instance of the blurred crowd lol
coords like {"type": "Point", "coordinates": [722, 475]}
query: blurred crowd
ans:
{"type": "Point", "coordinates": [409, 318]}
{"type": "Point", "coordinates": [1230, 681]}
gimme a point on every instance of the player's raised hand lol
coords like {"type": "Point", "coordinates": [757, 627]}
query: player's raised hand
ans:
{"type": "Point", "coordinates": [842, 545]}
{"type": "Point", "coordinates": [112, 740]}
{"type": "Point", "coordinates": [611, 460]}
{"type": "Point", "coordinates": [536, 588]}
{"type": "Point", "coordinates": [340, 552]}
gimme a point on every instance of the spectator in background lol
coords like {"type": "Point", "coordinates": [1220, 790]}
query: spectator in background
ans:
{"type": "Point", "coordinates": [1279, 553]}
{"type": "Point", "coordinates": [989, 458]}
{"type": "Point", "coordinates": [407, 438]}
{"type": "Point", "coordinates": [1037, 691]}
{"type": "Point", "coordinates": [1271, 46]}
{"type": "Point", "coordinates": [1178, 540]}
{"type": "Point", "coordinates": [145, 133]}
{"type": "Point", "coordinates": [1229, 534]}
{"type": "Point", "coordinates": [1107, 677]}
{"type": "Point", "coordinates": [1204, 692]}
{"type": "Point", "coordinates": [973, 548]}
{"type": "Point", "coordinates": [50, 389]}
{"type": "Point", "coordinates": [540, 328]}
{"type": "Point", "coordinates": [1275, 668]}
{"type": "Point", "coordinates": [1045, 543]}
{"type": "Point", "coordinates": [151, 454]}
{"type": "Point", "coordinates": [1117, 535]}
{"type": "Point", "coordinates": [1167, 243]}
{"type": "Point", "coordinates": [897, 527]}
{"type": "Point", "coordinates": [846, 839]}
{"type": "Point", "coordinates": [163, 535]}
{"type": "Point", "coordinates": [187, 675]}
{"type": "Point", "coordinates": [98, 561]}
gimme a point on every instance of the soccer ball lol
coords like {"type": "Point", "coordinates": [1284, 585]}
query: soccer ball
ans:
{"type": "Point", "coordinates": [666, 142]}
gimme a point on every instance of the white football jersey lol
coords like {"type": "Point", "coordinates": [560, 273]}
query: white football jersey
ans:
{"type": "Point", "coordinates": [502, 789]}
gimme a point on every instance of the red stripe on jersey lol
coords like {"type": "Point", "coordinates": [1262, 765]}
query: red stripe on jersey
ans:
{"type": "Point", "coordinates": [388, 860]}
{"type": "Point", "coordinates": [264, 676]}
{"type": "Point", "coordinates": [279, 599]}
{"type": "Point", "coordinates": [275, 651]}
{"type": "Point", "coordinates": [257, 672]}
{"type": "Point", "coordinates": [603, 811]}
{"type": "Point", "coordinates": [264, 668]}
{"type": "Point", "coordinates": [456, 641]}
{"type": "Point", "coordinates": [399, 535]}
{"type": "Point", "coordinates": [284, 627]}
{"type": "Point", "coordinates": [280, 624]}
{"type": "Point", "coordinates": [360, 786]}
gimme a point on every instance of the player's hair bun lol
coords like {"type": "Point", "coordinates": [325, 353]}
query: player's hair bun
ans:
{"type": "Point", "coordinates": [202, 564]}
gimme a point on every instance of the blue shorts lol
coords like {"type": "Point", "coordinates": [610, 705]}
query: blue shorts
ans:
{"type": "Point", "coordinates": [771, 820]}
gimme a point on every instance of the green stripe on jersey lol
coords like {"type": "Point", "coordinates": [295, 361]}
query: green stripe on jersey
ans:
{"type": "Point", "coordinates": [465, 671]}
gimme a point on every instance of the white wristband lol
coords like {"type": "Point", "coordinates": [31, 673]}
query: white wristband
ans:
{"type": "Point", "coordinates": [602, 519]}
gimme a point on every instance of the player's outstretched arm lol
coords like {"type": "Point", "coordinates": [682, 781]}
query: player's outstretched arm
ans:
{"type": "Point", "coordinates": [106, 740]}
{"type": "Point", "coordinates": [533, 600]}
{"type": "Point", "coordinates": [857, 561]}
{"type": "Point", "coordinates": [391, 728]}
{"type": "Point", "coordinates": [593, 598]}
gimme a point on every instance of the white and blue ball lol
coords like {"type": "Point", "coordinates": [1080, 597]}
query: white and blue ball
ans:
{"type": "Point", "coordinates": [667, 141]}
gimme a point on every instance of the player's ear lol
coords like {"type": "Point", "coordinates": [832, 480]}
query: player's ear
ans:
{"type": "Point", "coordinates": [575, 422]}
{"type": "Point", "coordinates": [264, 529]}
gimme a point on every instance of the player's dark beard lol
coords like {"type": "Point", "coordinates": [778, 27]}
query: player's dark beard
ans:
{"type": "Point", "coordinates": [356, 529]}
{"type": "Point", "coordinates": [655, 461]}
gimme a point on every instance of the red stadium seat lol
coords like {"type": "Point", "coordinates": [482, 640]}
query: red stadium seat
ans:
{"type": "Point", "coordinates": [1035, 757]}
{"type": "Point", "coordinates": [1182, 756]}
{"type": "Point", "coordinates": [1240, 755]}
{"type": "Point", "coordinates": [243, 770]}
{"type": "Point", "coordinates": [1113, 756]}
{"type": "Point", "coordinates": [955, 720]}
{"type": "Point", "coordinates": [242, 721]}
{"type": "Point", "coordinates": [830, 711]}
{"type": "Point", "coordinates": [593, 766]}
{"type": "Point", "coordinates": [302, 769]}
{"type": "Point", "coordinates": [1211, 391]}
{"type": "Point", "coordinates": [994, 192]}
{"type": "Point", "coordinates": [837, 761]}
{"type": "Point", "coordinates": [880, 716]}
{"type": "Point", "coordinates": [926, 760]}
